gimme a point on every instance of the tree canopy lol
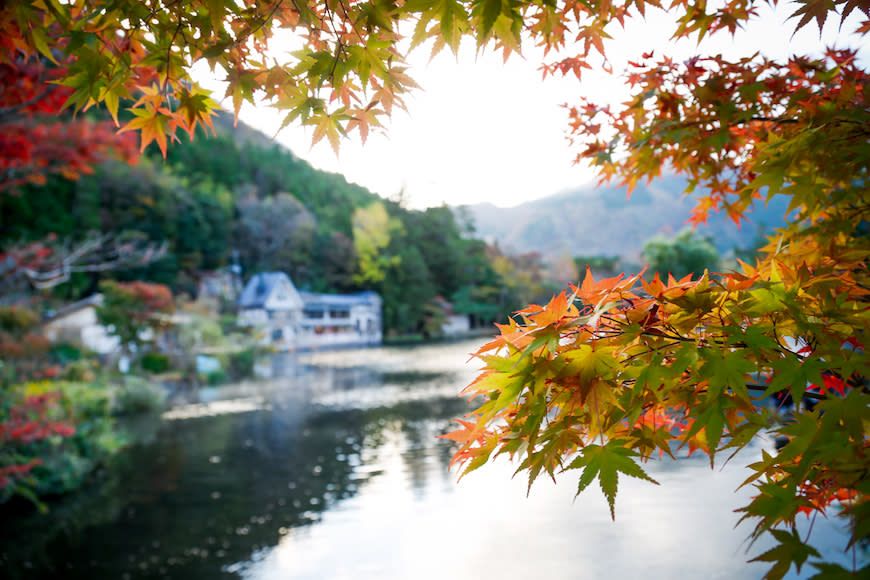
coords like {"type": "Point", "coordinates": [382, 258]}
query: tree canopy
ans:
{"type": "Point", "coordinates": [686, 253]}
{"type": "Point", "coordinates": [615, 370]}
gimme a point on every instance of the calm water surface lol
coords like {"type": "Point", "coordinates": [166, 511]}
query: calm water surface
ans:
{"type": "Point", "coordinates": [334, 470]}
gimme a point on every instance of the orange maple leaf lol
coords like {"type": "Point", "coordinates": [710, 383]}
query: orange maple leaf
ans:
{"type": "Point", "coordinates": [471, 432]}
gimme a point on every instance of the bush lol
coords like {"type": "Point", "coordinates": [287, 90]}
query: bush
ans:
{"type": "Point", "coordinates": [218, 377]}
{"type": "Point", "coordinates": [17, 319]}
{"type": "Point", "coordinates": [137, 395]}
{"type": "Point", "coordinates": [241, 364]}
{"type": "Point", "coordinates": [155, 362]}
{"type": "Point", "coordinates": [80, 371]}
{"type": "Point", "coordinates": [52, 435]}
{"type": "Point", "coordinates": [66, 353]}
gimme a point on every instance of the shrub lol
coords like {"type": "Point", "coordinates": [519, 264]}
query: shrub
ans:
{"type": "Point", "coordinates": [218, 377]}
{"type": "Point", "coordinates": [81, 371]}
{"type": "Point", "coordinates": [52, 435]}
{"type": "Point", "coordinates": [241, 364]}
{"type": "Point", "coordinates": [155, 362]}
{"type": "Point", "coordinates": [137, 395]}
{"type": "Point", "coordinates": [65, 353]}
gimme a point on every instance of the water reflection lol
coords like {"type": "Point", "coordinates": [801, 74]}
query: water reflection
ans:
{"type": "Point", "coordinates": [335, 471]}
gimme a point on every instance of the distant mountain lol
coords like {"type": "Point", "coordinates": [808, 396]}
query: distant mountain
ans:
{"type": "Point", "coordinates": [224, 123]}
{"type": "Point", "coordinates": [601, 221]}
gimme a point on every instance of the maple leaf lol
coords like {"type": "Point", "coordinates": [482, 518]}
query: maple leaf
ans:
{"type": "Point", "coordinates": [790, 550]}
{"type": "Point", "coordinates": [813, 10]}
{"type": "Point", "coordinates": [556, 310]}
{"type": "Point", "coordinates": [364, 120]}
{"type": "Point", "coordinates": [470, 432]}
{"type": "Point", "coordinates": [195, 106]}
{"type": "Point", "coordinates": [606, 462]}
{"type": "Point", "coordinates": [328, 125]}
{"type": "Point", "coordinates": [241, 85]}
{"type": "Point", "coordinates": [152, 126]}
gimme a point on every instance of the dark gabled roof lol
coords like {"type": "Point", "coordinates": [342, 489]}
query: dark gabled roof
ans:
{"type": "Point", "coordinates": [92, 300]}
{"type": "Point", "coordinates": [260, 287]}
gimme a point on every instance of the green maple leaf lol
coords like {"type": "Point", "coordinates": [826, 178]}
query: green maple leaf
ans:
{"type": "Point", "coordinates": [216, 10]}
{"type": "Point", "coordinates": [654, 374]}
{"type": "Point", "coordinates": [775, 503]}
{"type": "Point", "coordinates": [726, 371]}
{"type": "Point", "coordinates": [196, 106]}
{"type": "Point", "coordinates": [829, 571]}
{"type": "Point", "coordinates": [328, 125]}
{"type": "Point", "coordinates": [606, 462]}
{"type": "Point", "coordinates": [241, 86]}
{"type": "Point", "coordinates": [789, 550]}
{"type": "Point", "coordinates": [795, 374]}
{"type": "Point", "coordinates": [453, 23]}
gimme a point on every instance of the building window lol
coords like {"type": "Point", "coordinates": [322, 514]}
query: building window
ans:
{"type": "Point", "coordinates": [339, 313]}
{"type": "Point", "coordinates": [313, 313]}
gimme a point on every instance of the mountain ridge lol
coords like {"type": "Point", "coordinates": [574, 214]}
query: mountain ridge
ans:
{"type": "Point", "coordinates": [594, 220]}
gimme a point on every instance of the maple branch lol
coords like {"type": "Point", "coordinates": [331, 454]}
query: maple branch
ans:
{"type": "Point", "coordinates": [169, 55]}
{"type": "Point", "coordinates": [650, 350]}
{"type": "Point", "coordinates": [11, 111]}
{"type": "Point", "coordinates": [97, 253]}
{"type": "Point", "coordinates": [242, 36]}
{"type": "Point", "coordinates": [807, 394]}
{"type": "Point", "coordinates": [267, 18]}
{"type": "Point", "coordinates": [339, 44]}
{"type": "Point", "coordinates": [165, 6]}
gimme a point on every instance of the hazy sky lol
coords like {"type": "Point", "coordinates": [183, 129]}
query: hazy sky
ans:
{"type": "Point", "coordinates": [481, 130]}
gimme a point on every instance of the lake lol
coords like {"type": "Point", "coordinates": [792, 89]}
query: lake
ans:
{"type": "Point", "coordinates": [333, 470]}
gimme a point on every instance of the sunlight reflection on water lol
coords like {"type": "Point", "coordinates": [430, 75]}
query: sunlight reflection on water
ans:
{"type": "Point", "coordinates": [414, 520]}
{"type": "Point", "coordinates": [486, 527]}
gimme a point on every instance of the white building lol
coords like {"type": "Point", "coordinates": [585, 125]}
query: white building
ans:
{"type": "Point", "coordinates": [454, 324]}
{"type": "Point", "coordinates": [78, 324]}
{"type": "Point", "coordinates": [289, 319]}
{"type": "Point", "coordinates": [340, 319]}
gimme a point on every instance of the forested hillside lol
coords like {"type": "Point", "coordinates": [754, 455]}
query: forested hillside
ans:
{"type": "Point", "coordinates": [601, 221]}
{"type": "Point", "coordinates": [238, 197]}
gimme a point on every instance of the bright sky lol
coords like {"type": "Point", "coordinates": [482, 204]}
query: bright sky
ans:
{"type": "Point", "coordinates": [484, 131]}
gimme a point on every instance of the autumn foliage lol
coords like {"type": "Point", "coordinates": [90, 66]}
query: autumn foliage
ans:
{"type": "Point", "coordinates": [23, 347]}
{"type": "Point", "coordinates": [615, 371]}
{"type": "Point", "coordinates": [34, 142]}
{"type": "Point", "coordinates": [621, 370]}
{"type": "Point", "coordinates": [129, 308]}
{"type": "Point", "coordinates": [32, 420]}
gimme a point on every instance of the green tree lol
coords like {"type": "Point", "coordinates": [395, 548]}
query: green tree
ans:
{"type": "Point", "coordinates": [373, 229]}
{"type": "Point", "coordinates": [686, 253]}
{"type": "Point", "coordinates": [336, 255]}
{"type": "Point", "coordinates": [407, 288]}
{"type": "Point", "coordinates": [276, 233]}
{"type": "Point", "coordinates": [607, 265]}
